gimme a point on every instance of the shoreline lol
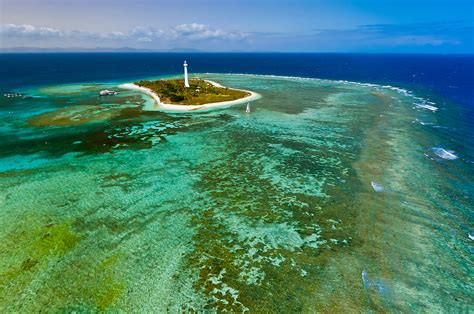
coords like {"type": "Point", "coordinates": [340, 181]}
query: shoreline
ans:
{"type": "Point", "coordinates": [160, 106]}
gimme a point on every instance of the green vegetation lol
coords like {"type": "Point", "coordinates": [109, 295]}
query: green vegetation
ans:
{"type": "Point", "coordinates": [200, 92]}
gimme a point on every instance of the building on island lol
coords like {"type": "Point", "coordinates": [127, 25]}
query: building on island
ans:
{"type": "Point", "coordinates": [186, 82]}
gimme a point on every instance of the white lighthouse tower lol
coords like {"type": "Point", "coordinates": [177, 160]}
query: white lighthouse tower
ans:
{"type": "Point", "coordinates": [186, 82]}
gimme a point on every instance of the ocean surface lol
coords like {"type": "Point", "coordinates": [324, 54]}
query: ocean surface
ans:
{"type": "Point", "coordinates": [347, 188]}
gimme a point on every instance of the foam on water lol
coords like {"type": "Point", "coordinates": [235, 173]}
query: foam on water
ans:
{"type": "Point", "coordinates": [444, 153]}
{"type": "Point", "coordinates": [423, 123]}
{"type": "Point", "coordinates": [377, 187]}
{"type": "Point", "coordinates": [421, 104]}
{"type": "Point", "coordinates": [426, 106]}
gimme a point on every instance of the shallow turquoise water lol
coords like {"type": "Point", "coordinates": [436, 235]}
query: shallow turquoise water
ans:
{"type": "Point", "coordinates": [328, 196]}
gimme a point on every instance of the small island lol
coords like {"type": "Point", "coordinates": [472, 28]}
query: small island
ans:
{"type": "Point", "coordinates": [189, 94]}
{"type": "Point", "coordinates": [199, 92]}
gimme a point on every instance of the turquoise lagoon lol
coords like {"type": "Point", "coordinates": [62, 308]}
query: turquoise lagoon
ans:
{"type": "Point", "coordinates": [329, 196]}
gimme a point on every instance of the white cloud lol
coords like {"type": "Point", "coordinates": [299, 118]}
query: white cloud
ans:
{"type": "Point", "coordinates": [13, 30]}
{"type": "Point", "coordinates": [184, 32]}
{"type": "Point", "coordinates": [146, 32]}
{"type": "Point", "coordinates": [38, 32]}
{"type": "Point", "coordinates": [144, 39]}
{"type": "Point", "coordinates": [197, 31]}
{"type": "Point", "coordinates": [427, 34]}
{"type": "Point", "coordinates": [408, 37]}
{"type": "Point", "coordinates": [418, 40]}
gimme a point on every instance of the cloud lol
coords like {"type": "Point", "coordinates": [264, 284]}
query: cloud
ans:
{"type": "Point", "coordinates": [30, 32]}
{"type": "Point", "coordinates": [13, 30]}
{"type": "Point", "coordinates": [417, 40]}
{"type": "Point", "coordinates": [454, 36]}
{"type": "Point", "coordinates": [418, 34]}
{"type": "Point", "coordinates": [144, 39]}
{"type": "Point", "coordinates": [184, 32]}
{"type": "Point", "coordinates": [419, 37]}
{"type": "Point", "coordinates": [195, 31]}
{"type": "Point", "coordinates": [146, 32]}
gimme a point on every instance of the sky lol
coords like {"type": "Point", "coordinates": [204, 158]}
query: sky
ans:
{"type": "Point", "coordinates": [399, 26]}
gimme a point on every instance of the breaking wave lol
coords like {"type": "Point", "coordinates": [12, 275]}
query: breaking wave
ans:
{"type": "Point", "coordinates": [443, 153]}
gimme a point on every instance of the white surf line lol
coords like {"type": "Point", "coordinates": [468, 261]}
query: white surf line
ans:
{"type": "Point", "coordinates": [425, 103]}
{"type": "Point", "coordinates": [425, 106]}
{"type": "Point", "coordinates": [470, 236]}
{"type": "Point", "coordinates": [444, 153]}
{"type": "Point", "coordinates": [160, 106]}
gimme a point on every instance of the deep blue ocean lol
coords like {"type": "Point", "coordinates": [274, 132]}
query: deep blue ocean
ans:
{"type": "Point", "coordinates": [451, 76]}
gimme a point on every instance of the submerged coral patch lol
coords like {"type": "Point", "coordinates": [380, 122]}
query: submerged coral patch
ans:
{"type": "Point", "coordinates": [108, 208]}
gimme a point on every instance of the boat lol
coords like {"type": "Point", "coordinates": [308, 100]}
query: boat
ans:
{"type": "Point", "coordinates": [107, 92]}
{"type": "Point", "coordinates": [247, 109]}
{"type": "Point", "coordinates": [11, 95]}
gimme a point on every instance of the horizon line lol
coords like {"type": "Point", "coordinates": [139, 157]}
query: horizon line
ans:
{"type": "Point", "coordinates": [138, 51]}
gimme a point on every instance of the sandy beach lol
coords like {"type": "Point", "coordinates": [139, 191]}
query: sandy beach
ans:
{"type": "Point", "coordinates": [160, 106]}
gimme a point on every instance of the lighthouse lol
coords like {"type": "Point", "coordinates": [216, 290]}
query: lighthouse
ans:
{"type": "Point", "coordinates": [186, 82]}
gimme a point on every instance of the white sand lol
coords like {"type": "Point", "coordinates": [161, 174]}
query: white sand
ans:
{"type": "Point", "coordinates": [149, 92]}
{"type": "Point", "coordinates": [159, 106]}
